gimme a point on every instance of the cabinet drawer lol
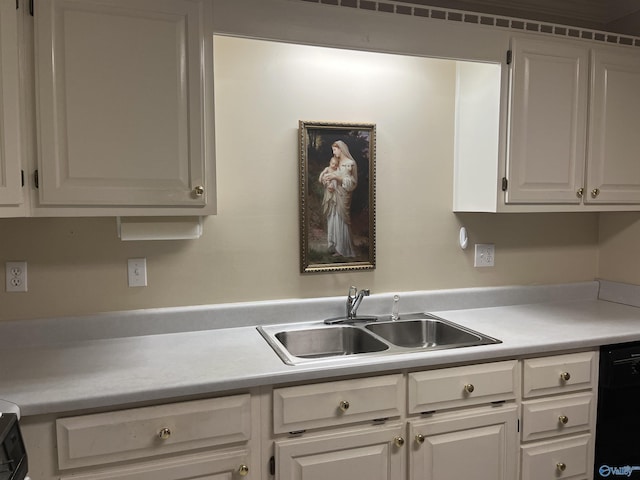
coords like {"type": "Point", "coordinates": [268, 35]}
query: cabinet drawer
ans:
{"type": "Point", "coordinates": [336, 403]}
{"type": "Point", "coordinates": [141, 432]}
{"type": "Point", "coordinates": [557, 416]}
{"type": "Point", "coordinates": [458, 386]}
{"type": "Point", "coordinates": [213, 466]}
{"type": "Point", "coordinates": [569, 458]}
{"type": "Point", "coordinates": [559, 373]}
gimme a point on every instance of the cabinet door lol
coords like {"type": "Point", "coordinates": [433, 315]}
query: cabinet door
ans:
{"type": "Point", "coordinates": [369, 452]}
{"type": "Point", "coordinates": [10, 183]}
{"type": "Point", "coordinates": [613, 169]}
{"type": "Point", "coordinates": [548, 115]}
{"type": "Point", "coordinates": [481, 444]}
{"type": "Point", "coordinates": [123, 100]}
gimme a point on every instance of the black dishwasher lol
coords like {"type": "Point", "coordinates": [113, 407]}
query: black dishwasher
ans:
{"type": "Point", "coordinates": [617, 444]}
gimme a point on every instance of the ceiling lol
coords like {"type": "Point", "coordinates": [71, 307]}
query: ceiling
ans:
{"type": "Point", "coordinates": [620, 16]}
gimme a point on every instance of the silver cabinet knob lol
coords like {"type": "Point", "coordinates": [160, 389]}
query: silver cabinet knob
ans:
{"type": "Point", "coordinates": [164, 434]}
{"type": "Point", "coordinates": [469, 388]}
{"type": "Point", "coordinates": [399, 441]}
{"type": "Point", "coordinates": [198, 190]}
{"type": "Point", "coordinates": [595, 192]}
{"type": "Point", "coordinates": [565, 376]}
{"type": "Point", "coordinates": [561, 466]}
{"type": "Point", "coordinates": [420, 439]}
{"type": "Point", "coordinates": [344, 405]}
{"type": "Point", "coordinates": [563, 419]}
{"type": "Point", "coordinates": [243, 470]}
{"type": "Point", "coordinates": [580, 193]}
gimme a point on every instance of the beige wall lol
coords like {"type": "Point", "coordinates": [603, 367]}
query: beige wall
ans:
{"type": "Point", "coordinates": [250, 250]}
{"type": "Point", "coordinates": [620, 247]}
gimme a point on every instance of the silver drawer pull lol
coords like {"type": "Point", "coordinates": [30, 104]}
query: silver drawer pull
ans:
{"type": "Point", "coordinates": [561, 466]}
{"type": "Point", "coordinates": [420, 439]}
{"type": "Point", "coordinates": [469, 388]}
{"type": "Point", "coordinates": [344, 405]}
{"type": "Point", "coordinates": [565, 376]}
{"type": "Point", "coordinates": [243, 470]}
{"type": "Point", "coordinates": [563, 419]}
{"type": "Point", "coordinates": [164, 434]}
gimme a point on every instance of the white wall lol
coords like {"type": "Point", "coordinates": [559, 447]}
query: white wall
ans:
{"type": "Point", "coordinates": [250, 250]}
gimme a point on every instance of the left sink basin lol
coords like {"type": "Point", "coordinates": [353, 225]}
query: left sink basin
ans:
{"type": "Point", "coordinates": [296, 346]}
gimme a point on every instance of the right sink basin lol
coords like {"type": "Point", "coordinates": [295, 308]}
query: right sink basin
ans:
{"type": "Point", "coordinates": [427, 333]}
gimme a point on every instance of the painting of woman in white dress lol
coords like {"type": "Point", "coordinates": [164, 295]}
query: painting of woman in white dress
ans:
{"type": "Point", "coordinates": [337, 199]}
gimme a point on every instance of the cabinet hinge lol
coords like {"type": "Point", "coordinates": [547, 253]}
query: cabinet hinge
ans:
{"type": "Point", "coordinates": [509, 57]}
{"type": "Point", "coordinates": [505, 184]}
{"type": "Point", "coordinates": [35, 179]}
{"type": "Point", "coordinates": [272, 466]}
{"type": "Point", "coordinates": [22, 177]}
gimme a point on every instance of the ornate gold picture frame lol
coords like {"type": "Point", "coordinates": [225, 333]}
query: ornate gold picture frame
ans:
{"type": "Point", "coordinates": [337, 196]}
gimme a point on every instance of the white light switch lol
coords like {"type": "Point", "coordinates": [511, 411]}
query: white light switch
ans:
{"type": "Point", "coordinates": [137, 272]}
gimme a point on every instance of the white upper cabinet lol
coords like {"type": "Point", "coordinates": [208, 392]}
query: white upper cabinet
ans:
{"type": "Point", "coordinates": [566, 135]}
{"type": "Point", "coordinates": [548, 122]}
{"type": "Point", "coordinates": [613, 162]}
{"type": "Point", "coordinates": [10, 151]}
{"type": "Point", "coordinates": [124, 106]}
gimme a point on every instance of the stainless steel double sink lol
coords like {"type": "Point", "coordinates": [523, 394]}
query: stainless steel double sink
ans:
{"type": "Point", "coordinates": [299, 343]}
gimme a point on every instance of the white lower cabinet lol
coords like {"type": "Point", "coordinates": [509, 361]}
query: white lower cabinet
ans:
{"type": "Point", "coordinates": [213, 439]}
{"type": "Point", "coordinates": [468, 426]}
{"type": "Point", "coordinates": [401, 427]}
{"type": "Point", "coordinates": [558, 416]}
{"type": "Point", "coordinates": [531, 419]}
{"type": "Point", "coordinates": [372, 453]}
{"type": "Point", "coordinates": [476, 443]}
{"type": "Point", "coordinates": [225, 465]}
{"type": "Point", "coordinates": [340, 430]}
{"type": "Point", "coordinates": [568, 458]}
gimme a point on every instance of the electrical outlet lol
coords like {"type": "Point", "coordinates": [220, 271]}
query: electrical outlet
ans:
{"type": "Point", "coordinates": [137, 270]}
{"type": "Point", "coordinates": [484, 255]}
{"type": "Point", "coordinates": [16, 276]}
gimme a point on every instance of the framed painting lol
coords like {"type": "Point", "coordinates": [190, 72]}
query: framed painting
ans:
{"type": "Point", "coordinates": [337, 196]}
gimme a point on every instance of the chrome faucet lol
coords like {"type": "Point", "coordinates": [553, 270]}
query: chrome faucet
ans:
{"type": "Point", "coordinates": [354, 299]}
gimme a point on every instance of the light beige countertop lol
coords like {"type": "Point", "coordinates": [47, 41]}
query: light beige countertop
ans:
{"type": "Point", "coordinates": [78, 373]}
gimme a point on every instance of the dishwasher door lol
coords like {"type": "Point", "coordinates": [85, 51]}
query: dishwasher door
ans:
{"type": "Point", "coordinates": [617, 452]}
